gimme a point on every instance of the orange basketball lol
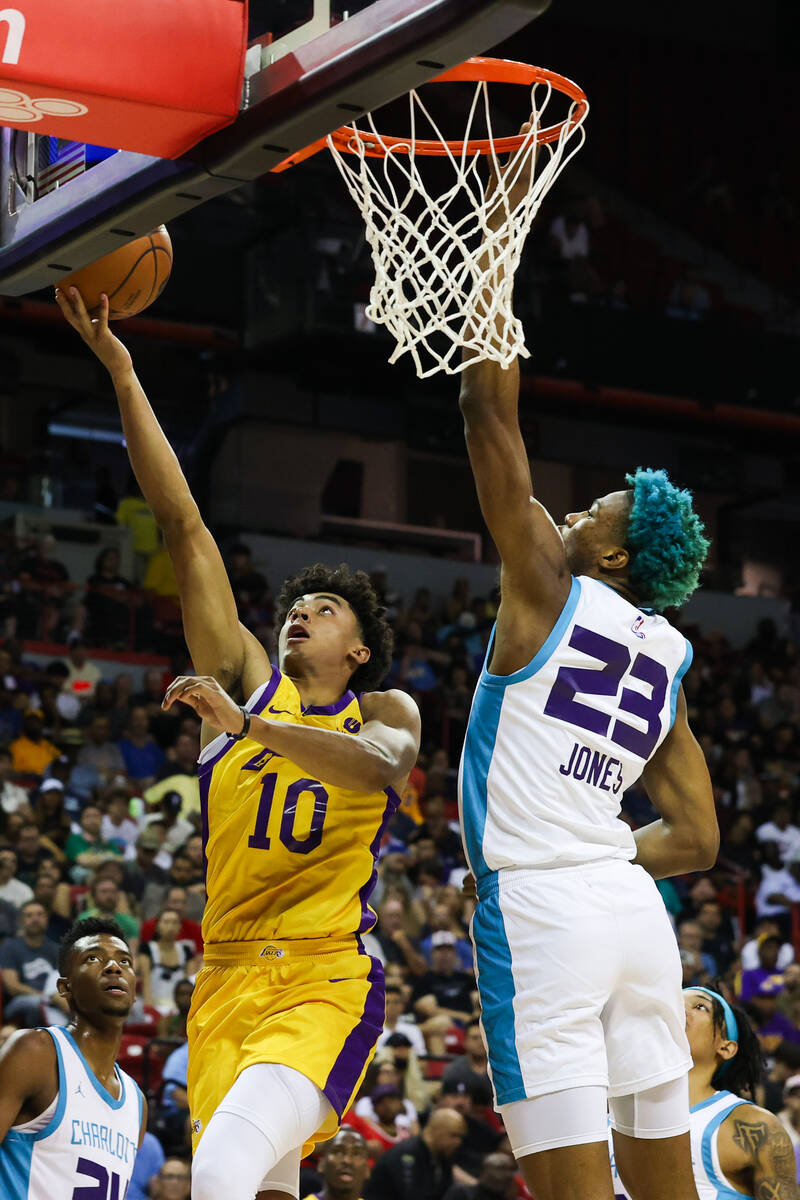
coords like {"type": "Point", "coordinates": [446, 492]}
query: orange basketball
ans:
{"type": "Point", "coordinates": [132, 276]}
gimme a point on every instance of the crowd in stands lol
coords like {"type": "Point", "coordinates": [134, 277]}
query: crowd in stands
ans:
{"type": "Point", "coordinates": [100, 814]}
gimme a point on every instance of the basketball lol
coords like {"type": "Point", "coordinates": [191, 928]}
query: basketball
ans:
{"type": "Point", "coordinates": [132, 276]}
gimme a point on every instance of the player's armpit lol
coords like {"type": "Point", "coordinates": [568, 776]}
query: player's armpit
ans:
{"type": "Point", "coordinates": [392, 726]}
{"type": "Point", "coordinates": [529, 543]}
{"type": "Point", "coordinates": [764, 1143]}
{"type": "Point", "coordinates": [679, 786]}
{"type": "Point", "coordinates": [143, 1127]}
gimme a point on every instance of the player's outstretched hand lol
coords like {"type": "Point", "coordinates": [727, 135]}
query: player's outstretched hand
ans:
{"type": "Point", "coordinates": [211, 702]}
{"type": "Point", "coordinates": [96, 333]}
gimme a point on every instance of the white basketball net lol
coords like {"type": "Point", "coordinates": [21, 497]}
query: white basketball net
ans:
{"type": "Point", "coordinates": [441, 296]}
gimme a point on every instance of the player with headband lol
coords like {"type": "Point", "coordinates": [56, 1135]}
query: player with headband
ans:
{"type": "Point", "coordinates": [738, 1149]}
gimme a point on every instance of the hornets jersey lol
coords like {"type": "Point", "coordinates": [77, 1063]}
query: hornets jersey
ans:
{"type": "Point", "coordinates": [706, 1119]}
{"type": "Point", "coordinates": [286, 856]}
{"type": "Point", "coordinates": [551, 748]}
{"type": "Point", "coordinates": [85, 1144]}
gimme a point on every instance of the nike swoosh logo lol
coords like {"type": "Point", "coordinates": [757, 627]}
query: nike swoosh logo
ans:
{"type": "Point", "coordinates": [286, 711]}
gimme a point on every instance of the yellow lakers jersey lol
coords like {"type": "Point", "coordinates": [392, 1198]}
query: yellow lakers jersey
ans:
{"type": "Point", "coordinates": [286, 856]}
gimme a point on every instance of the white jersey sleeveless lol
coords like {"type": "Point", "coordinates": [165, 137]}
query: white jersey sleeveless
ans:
{"type": "Point", "coordinates": [87, 1146]}
{"type": "Point", "coordinates": [706, 1119]}
{"type": "Point", "coordinates": [550, 750]}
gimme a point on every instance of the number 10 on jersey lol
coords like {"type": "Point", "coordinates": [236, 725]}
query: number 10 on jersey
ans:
{"type": "Point", "coordinates": [259, 840]}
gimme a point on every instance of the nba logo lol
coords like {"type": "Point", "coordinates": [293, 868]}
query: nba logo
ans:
{"type": "Point", "coordinates": [196, 1125]}
{"type": "Point", "coordinates": [637, 627]}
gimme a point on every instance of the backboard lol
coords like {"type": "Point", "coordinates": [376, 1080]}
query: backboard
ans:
{"type": "Point", "coordinates": [311, 65]}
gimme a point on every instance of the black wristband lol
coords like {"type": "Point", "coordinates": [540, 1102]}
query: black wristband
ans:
{"type": "Point", "coordinates": [237, 737]}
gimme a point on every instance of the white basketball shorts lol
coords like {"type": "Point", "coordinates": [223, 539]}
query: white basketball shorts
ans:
{"type": "Point", "coordinates": [580, 981]}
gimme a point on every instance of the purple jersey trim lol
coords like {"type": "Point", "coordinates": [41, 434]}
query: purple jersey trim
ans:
{"type": "Point", "coordinates": [205, 784]}
{"type": "Point", "coordinates": [349, 1066]}
{"type": "Point", "coordinates": [268, 693]}
{"type": "Point", "coordinates": [329, 710]}
{"type": "Point", "coordinates": [368, 917]}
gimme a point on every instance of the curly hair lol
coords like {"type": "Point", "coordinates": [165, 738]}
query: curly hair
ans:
{"type": "Point", "coordinates": [85, 927]}
{"type": "Point", "coordinates": [356, 589]}
{"type": "Point", "coordinates": [665, 540]}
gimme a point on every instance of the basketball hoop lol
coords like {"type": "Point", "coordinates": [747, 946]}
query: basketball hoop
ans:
{"type": "Point", "coordinates": [444, 278]}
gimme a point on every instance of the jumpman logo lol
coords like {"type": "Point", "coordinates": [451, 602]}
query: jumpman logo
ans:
{"type": "Point", "coordinates": [79, 1090]}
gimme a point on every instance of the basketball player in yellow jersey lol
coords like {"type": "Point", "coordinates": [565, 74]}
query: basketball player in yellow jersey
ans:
{"type": "Point", "coordinates": [298, 784]}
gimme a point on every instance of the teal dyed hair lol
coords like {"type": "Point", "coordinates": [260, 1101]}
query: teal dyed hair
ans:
{"type": "Point", "coordinates": [665, 540]}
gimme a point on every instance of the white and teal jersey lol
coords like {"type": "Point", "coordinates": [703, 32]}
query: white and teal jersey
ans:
{"type": "Point", "coordinates": [83, 1145]}
{"type": "Point", "coordinates": [550, 749]}
{"type": "Point", "coordinates": [706, 1119]}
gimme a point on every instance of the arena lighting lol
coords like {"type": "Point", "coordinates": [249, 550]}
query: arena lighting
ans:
{"type": "Point", "coordinates": [150, 77]}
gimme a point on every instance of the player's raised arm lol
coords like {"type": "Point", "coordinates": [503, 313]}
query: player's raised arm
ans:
{"type": "Point", "coordinates": [686, 838]}
{"type": "Point", "coordinates": [530, 545]}
{"type": "Point", "coordinates": [210, 621]}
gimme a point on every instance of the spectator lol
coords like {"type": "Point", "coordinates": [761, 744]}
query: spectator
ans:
{"type": "Point", "coordinates": [25, 965]}
{"type": "Point", "coordinates": [118, 827]}
{"type": "Point", "coordinates": [790, 1114]}
{"type": "Point", "coordinates": [163, 961]}
{"type": "Point", "coordinates": [31, 753]}
{"type": "Point", "coordinates": [413, 1088]}
{"type": "Point", "coordinates": [495, 1182]}
{"type": "Point", "coordinates": [345, 1167]}
{"type": "Point", "coordinates": [383, 1073]}
{"type": "Point", "coordinates": [86, 850]}
{"type": "Point", "coordinates": [149, 1161]}
{"type": "Point", "coordinates": [42, 578]}
{"type": "Point", "coordinates": [108, 902]}
{"type": "Point", "coordinates": [749, 953]}
{"type": "Point", "coordinates": [470, 1068]}
{"type": "Point", "coordinates": [108, 602]}
{"type": "Point", "coordinates": [482, 1138]}
{"type": "Point", "coordinates": [32, 851]}
{"type": "Point", "coordinates": [12, 890]}
{"type": "Point", "coordinates": [174, 1180]}
{"type": "Point", "coordinates": [50, 814]}
{"type": "Point", "coordinates": [141, 752]}
{"type": "Point", "coordinates": [442, 919]}
{"type": "Point", "coordinates": [398, 1022]}
{"type": "Point", "coordinates": [83, 675]}
{"type": "Point", "coordinates": [690, 937]}
{"type": "Point", "coordinates": [99, 753]}
{"type": "Point", "coordinates": [715, 939]}
{"type": "Point", "coordinates": [780, 830]}
{"type": "Point", "coordinates": [395, 943]}
{"type": "Point", "coordinates": [177, 898]}
{"type": "Point", "coordinates": [177, 829]}
{"type": "Point", "coordinates": [779, 888]}
{"type": "Point", "coordinates": [444, 989]}
{"type": "Point", "coordinates": [769, 945]}
{"type": "Point", "coordinates": [13, 798]}
{"type": "Point", "coordinates": [770, 1025]}
{"type": "Point", "coordinates": [173, 1025]}
{"type": "Point", "coordinates": [419, 1166]}
{"type": "Point", "coordinates": [142, 870]}
{"type": "Point", "coordinates": [384, 1127]}
{"type": "Point", "coordinates": [182, 873]}
{"type": "Point", "coordinates": [54, 896]}
{"type": "Point", "coordinates": [173, 1116]}
{"type": "Point", "coordinates": [789, 999]}
{"type": "Point", "coordinates": [248, 585]}
{"type": "Point", "coordinates": [134, 513]}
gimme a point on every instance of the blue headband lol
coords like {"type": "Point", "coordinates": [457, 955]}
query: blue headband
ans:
{"type": "Point", "coordinates": [731, 1026]}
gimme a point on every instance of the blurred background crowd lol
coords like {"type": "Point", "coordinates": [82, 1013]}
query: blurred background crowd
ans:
{"type": "Point", "coordinates": [100, 814]}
